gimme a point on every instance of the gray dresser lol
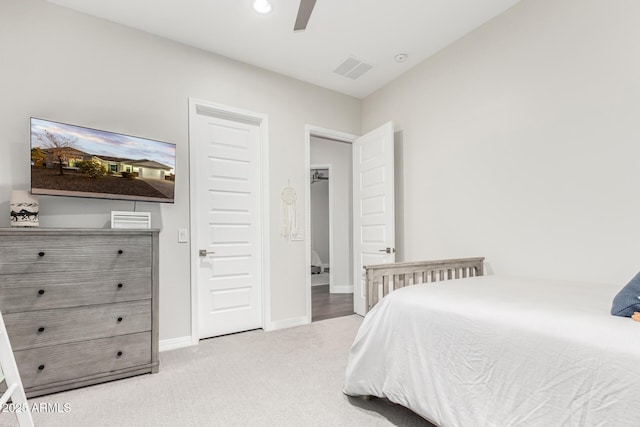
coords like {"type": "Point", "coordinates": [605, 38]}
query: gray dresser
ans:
{"type": "Point", "coordinates": [80, 305]}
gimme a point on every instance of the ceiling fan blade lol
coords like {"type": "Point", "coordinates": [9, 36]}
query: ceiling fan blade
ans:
{"type": "Point", "coordinates": [304, 13]}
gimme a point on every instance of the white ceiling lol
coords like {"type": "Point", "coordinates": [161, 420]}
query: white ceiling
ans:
{"type": "Point", "coordinates": [373, 31]}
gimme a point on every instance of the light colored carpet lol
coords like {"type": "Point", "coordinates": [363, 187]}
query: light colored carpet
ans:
{"type": "Point", "coordinates": [290, 377]}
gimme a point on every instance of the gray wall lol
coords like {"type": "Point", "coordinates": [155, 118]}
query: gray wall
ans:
{"type": "Point", "coordinates": [520, 142]}
{"type": "Point", "coordinates": [65, 66]}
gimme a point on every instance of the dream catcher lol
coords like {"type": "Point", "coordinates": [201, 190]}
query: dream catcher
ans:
{"type": "Point", "coordinates": [289, 214]}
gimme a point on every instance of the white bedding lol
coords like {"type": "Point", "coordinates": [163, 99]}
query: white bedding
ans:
{"type": "Point", "coordinates": [498, 351]}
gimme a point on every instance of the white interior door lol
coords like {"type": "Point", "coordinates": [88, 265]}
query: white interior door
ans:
{"type": "Point", "coordinates": [373, 206]}
{"type": "Point", "coordinates": [228, 199]}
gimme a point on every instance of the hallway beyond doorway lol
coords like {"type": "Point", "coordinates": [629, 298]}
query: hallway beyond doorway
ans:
{"type": "Point", "coordinates": [326, 305]}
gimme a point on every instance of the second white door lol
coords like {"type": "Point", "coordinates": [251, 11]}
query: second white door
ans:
{"type": "Point", "coordinates": [373, 206]}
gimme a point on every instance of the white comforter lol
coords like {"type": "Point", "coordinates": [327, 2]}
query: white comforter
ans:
{"type": "Point", "coordinates": [498, 351]}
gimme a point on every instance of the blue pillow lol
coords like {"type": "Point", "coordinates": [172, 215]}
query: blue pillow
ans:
{"type": "Point", "coordinates": [628, 299]}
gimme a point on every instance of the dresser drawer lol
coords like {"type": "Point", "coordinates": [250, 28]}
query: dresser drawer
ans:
{"type": "Point", "coordinates": [38, 291]}
{"type": "Point", "coordinates": [65, 325]}
{"type": "Point", "coordinates": [64, 362]}
{"type": "Point", "coordinates": [48, 253]}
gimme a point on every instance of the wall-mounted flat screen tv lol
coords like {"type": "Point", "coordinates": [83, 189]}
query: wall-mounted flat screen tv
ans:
{"type": "Point", "coordinates": [69, 160]}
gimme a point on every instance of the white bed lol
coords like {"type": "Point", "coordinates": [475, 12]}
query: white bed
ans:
{"type": "Point", "coordinates": [498, 351]}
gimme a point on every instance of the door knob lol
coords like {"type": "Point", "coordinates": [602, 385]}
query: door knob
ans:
{"type": "Point", "coordinates": [388, 250]}
{"type": "Point", "coordinates": [204, 252]}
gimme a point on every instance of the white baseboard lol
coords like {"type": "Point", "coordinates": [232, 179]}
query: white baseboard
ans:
{"type": "Point", "coordinates": [182, 342]}
{"type": "Point", "coordinates": [337, 289]}
{"type": "Point", "coordinates": [288, 323]}
{"type": "Point", "coordinates": [175, 343]}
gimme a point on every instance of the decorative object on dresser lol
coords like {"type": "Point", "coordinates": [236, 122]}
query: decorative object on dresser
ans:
{"type": "Point", "coordinates": [24, 209]}
{"type": "Point", "coordinates": [80, 305]}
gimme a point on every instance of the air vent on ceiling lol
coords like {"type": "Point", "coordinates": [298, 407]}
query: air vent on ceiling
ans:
{"type": "Point", "coordinates": [352, 68]}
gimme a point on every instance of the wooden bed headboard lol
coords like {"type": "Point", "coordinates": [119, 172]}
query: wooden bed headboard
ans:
{"type": "Point", "coordinates": [381, 277]}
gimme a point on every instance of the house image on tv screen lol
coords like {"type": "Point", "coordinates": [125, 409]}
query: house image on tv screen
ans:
{"type": "Point", "coordinates": [68, 160]}
{"type": "Point", "coordinates": [114, 165]}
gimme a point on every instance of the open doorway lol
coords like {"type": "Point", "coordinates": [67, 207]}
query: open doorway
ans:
{"type": "Point", "coordinates": [370, 237]}
{"type": "Point", "coordinates": [330, 227]}
{"type": "Point", "coordinates": [329, 298]}
{"type": "Point", "coordinates": [373, 206]}
{"type": "Point", "coordinates": [320, 216]}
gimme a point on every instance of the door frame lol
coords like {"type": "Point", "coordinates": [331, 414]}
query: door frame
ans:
{"type": "Point", "coordinates": [327, 166]}
{"type": "Point", "coordinates": [196, 106]}
{"type": "Point", "coordinates": [317, 131]}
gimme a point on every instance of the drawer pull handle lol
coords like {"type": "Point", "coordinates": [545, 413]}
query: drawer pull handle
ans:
{"type": "Point", "coordinates": [119, 354]}
{"type": "Point", "coordinates": [41, 292]}
{"type": "Point", "coordinates": [120, 285]}
{"type": "Point", "coordinates": [41, 329]}
{"type": "Point", "coordinates": [41, 367]}
{"type": "Point", "coordinates": [40, 253]}
{"type": "Point", "coordinates": [120, 251]}
{"type": "Point", "coordinates": [119, 319]}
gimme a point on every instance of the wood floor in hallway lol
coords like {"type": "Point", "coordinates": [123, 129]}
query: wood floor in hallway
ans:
{"type": "Point", "coordinates": [325, 305]}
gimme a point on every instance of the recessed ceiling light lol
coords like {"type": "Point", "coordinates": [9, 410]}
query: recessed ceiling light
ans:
{"type": "Point", "coordinates": [401, 57]}
{"type": "Point", "coordinates": [262, 6]}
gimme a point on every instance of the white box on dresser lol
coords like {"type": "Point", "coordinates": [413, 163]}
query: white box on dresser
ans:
{"type": "Point", "coordinates": [80, 305]}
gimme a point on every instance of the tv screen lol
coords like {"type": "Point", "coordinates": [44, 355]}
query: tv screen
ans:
{"type": "Point", "coordinates": [69, 160]}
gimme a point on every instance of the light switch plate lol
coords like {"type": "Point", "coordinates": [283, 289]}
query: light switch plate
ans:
{"type": "Point", "coordinates": [183, 235]}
